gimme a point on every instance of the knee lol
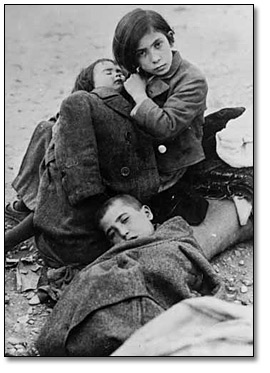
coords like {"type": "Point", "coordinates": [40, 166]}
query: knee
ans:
{"type": "Point", "coordinates": [43, 127]}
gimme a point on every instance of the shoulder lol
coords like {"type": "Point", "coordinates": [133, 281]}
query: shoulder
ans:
{"type": "Point", "coordinates": [186, 71]}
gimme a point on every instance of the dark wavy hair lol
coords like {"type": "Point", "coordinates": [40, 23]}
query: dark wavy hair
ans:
{"type": "Point", "coordinates": [131, 29]}
{"type": "Point", "coordinates": [85, 79]}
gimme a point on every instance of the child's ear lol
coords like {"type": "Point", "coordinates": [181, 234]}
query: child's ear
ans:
{"type": "Point", "coordinates": [171, 37]}
{"type": "Point", "coordinates": [148, 212]}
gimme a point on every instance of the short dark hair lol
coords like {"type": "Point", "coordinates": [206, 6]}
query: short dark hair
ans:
{"type": "Point", "coordinates": [85, 79]}
{"type": "Point", "coordinates": [131, 29]}
{"type": "Point", "coordinates": [126, 199]}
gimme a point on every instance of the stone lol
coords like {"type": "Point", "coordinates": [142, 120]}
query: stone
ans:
{"type": "Point", "coordinates": [24, 247]}
{"type": "Point", "coordinates": [243, 289]}
{"type": "Point", "coordinates": [216, 268]}
{"type": "Point", "coordinates": [241, 262]}
{"type": "Point", "coordinates": [22, 319]}
{"type": "Point", "coordinates": [29, 295]}
{"type": "Point", "coordinates": [237, 301]}
{"type": "Point", "coordinates": [11, 351]}
{"type": "Point", "coordinates": [247, 282]}
{"type": "Point", "coordinates": [15, 340]}
{"type": "Point", "coordinates": [35, 300]}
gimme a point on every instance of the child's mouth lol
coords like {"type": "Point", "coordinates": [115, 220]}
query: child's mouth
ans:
{"type": "Point", "coordinates": [160, 68]}
{"type": "Point", "coordinates": [118, 81]}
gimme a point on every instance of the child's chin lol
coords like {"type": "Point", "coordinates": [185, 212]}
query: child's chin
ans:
{"type": "Point", "coordinates": [118, 87]}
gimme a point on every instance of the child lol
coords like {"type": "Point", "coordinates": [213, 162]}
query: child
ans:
{"type": "Point", "coordinates": [124, 218]}
{"type": "Point", "coordinates": [170, 96]}
{"type": "Point", "coordinates": [75, 179]}
{"type": "Point", "coordinates": [143, 274]}
{"type": "Point", "coordinates": [103, 72]}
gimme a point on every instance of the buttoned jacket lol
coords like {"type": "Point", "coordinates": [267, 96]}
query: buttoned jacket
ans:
{"type": "Point", "coordinates": [98, 146]}
{"type": "Point", "coordinates": [174, 115]}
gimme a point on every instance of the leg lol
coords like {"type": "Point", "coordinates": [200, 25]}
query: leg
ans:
{"type": "Point", "coordinates": [220, 228]}
{"type": "Point", "coordinates": [27, 181]}
{"type": "Point", "coordinates": [19, 233]}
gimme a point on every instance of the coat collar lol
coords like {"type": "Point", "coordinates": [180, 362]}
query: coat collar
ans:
{"type": "Point", "coordinates": [158, 85]}
{"type": "Point", "coordinates": [114, 100]}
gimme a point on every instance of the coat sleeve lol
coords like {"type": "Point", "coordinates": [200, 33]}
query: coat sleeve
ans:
{"type": "Point", "coordinates": [76, 149]}
{"type": "Point", "coordinates": [176, 115]}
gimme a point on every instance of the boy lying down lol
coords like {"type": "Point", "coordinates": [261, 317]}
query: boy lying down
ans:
{"type": "Point", "coordinates": [147, 271]}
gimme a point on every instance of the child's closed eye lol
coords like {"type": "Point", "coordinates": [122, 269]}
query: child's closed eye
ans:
{"type": "Point", "coordinates": [125, 219]}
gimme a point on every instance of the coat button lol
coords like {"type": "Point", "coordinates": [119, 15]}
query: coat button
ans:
{"type": "Point", "coordinates": [125, 171]}
{"type": "Point", "coordinates": [128, 136]}
{"type": "Point", "coordinates": [162, 149]}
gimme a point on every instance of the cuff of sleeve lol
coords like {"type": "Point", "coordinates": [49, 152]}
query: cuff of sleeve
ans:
{"type": "Point", "coordinates": [136, 108]}
{"type": "Point", "coordinates": [141, 111]}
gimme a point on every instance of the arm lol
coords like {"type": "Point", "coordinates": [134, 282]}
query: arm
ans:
{"type": "Point", "coordinates": [177, 113]}
{"type": "Point", "coordinates": [19, 233]}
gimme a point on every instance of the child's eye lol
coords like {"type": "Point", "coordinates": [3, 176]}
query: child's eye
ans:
{"type": "Point", "coordinates": [141, 53]}
{"type": "Point", "coordinates": [124, 220]}
{"type": "Point", "coordinates": [158, 44]}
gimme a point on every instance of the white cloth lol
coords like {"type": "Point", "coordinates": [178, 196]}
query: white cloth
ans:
{"type": "Point", "coordinates": [235, 142]}
{"type": "Point", "coordinates": [204, 326]}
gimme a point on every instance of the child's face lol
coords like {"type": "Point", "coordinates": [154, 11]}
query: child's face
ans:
{"type": "Point", "coordinates": [107, 74]}
{"type": "Point", "coordinates": [123, 222]}
{"type": "Point", "coordinates": [154, 54]}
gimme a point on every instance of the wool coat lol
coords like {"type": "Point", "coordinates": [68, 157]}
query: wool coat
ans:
{"type": "Point", "coordinates": [126, 287]}
{"type": "Point", "coordinates": [174, 115]}
{"type": "Point", "coordinates": [96, 151]}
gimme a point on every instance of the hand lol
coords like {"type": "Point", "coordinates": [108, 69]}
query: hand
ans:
{"type": "Point", "coordinates": [135, 85]}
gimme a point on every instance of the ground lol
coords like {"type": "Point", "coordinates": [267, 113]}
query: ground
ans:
{"type": "Point", "coordinates": [45, 48]}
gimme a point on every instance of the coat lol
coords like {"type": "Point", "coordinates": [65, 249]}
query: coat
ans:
{"type": "Point", "coordinates": [113, 153]}
{"type": "Point", "coordinates": [125, 288]}
{"type": "Point", "coordinates": [174, 115]}
{"type": "Point", "coordinates": [96, 150]}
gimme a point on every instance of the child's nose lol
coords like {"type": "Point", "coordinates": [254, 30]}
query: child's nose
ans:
{"type": "Point", "coordinates": [123, 232]}
{"type": "Point", "coordinates": [155, 57]}
{"type": "Point", "coordinates": [118, 74]}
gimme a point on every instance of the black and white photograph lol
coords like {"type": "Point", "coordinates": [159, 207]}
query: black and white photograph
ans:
{"type": "Point", "coordinates": [129, 184]}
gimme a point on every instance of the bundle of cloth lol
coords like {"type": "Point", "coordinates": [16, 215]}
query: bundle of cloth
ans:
{"type": "Point", "coordinates": [227, 171]}
{"type": "Point", "coordinates": [204, 326]}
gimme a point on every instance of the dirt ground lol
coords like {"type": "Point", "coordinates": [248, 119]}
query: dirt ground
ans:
{"type": "Point", "coordinates": [45, 48]}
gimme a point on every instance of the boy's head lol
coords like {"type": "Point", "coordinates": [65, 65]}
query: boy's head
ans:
{"type": "Point", "coordinates": [102, 73]}
{"type": "Point", "coordinates": [131, 29]}
{"type": "Point", "coordinates": [123, 218]}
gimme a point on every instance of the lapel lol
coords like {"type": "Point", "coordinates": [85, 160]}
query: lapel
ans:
{"type": "Point", "coordinates": [156, 87]}
{"type": "Point", "coordinates": [114, 100]}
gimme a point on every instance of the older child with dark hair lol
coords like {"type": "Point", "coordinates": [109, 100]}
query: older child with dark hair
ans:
{"type": "Point", "coordinates": [170, 96]}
